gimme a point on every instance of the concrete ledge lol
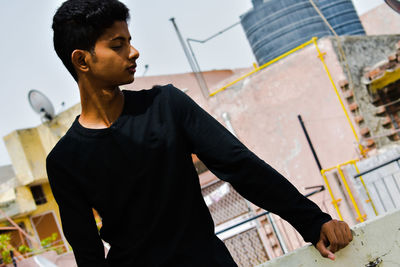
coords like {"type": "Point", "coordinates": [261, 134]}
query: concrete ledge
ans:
{"type": "Point", "coordinates": [376, 243]}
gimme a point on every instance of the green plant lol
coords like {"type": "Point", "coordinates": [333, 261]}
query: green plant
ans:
{"type": "Point", "coordinates": [5, 247]}
{"type": "Point", "coordinates": [48, 242]}
{"type": "Point", "coordinates": [24, 249]}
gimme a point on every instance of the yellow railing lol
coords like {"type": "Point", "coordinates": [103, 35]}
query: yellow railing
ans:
{"type": "Point", "coordinates": [256, 69]}
{"type": "Point", "coordinates": [335, 201]}
{"type": "Point", "coordinates": [321, 57]}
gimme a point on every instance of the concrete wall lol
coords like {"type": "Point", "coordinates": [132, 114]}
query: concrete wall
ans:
{"type": "Point", "coordinates": [22, 205]}
{"type": "Point", "coordinates": [28, 148]}
{"type": "Point", "coordinates": [362, 53]}
{"type": "Point", "coordinates": [377, 240]}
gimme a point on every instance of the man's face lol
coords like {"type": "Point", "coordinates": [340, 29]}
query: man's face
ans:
{"type": "Point", "coordinates": [113, 62]}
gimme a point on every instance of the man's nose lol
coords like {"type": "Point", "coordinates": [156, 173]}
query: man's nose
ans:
{"type": "Point", "coordinates": [133, 54]}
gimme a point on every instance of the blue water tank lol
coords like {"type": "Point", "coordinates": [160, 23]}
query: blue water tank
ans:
{"type": "Point", "coordinates": [274, 27]}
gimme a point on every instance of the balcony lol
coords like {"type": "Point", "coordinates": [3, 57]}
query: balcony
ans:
{"type": "Point", "coordinates": [16, 202]}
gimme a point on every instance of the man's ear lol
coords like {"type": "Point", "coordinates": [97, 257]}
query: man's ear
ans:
{"type": "Point", "coordinates": [79, 60]}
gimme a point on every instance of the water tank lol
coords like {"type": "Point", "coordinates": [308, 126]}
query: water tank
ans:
{"type": "Point", "coordinates": [274, 27]}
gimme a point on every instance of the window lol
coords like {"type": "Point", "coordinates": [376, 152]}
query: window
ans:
{"type": "Point", "coordinates": [38, 194]}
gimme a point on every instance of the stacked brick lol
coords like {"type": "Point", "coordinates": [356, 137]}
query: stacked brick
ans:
{"type": "Point", "coordinates": [358, 118]}
{"type": "Point", "coordinates": [385, 100]}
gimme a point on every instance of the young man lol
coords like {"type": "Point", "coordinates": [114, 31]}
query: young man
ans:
{"type": "Point", "coordinates": [128, 155]}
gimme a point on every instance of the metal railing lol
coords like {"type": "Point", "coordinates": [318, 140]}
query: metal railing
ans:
{"type": "Point", "coordinates": [335, 201]}
{"type": "Point", "coordinates": [245, 247]}
{"type": "Point", "coordinates": [321, 188]}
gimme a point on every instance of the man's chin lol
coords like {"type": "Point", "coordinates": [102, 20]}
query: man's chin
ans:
{"type": "Point", "coordinates": [128, 81]}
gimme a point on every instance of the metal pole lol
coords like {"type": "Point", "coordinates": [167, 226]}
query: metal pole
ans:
{"type": "Point", "coordinates": [278, 234]}
{"type": "Point", "coordinates": [309, 142]}
{"type": "Point", "coordinates": [199, 77]}
{"type": "Point", "coordinates": [146, 68]}
{"type": "Point", "coordinates": [195, 62]}
{"type": "Point", "coordinates": [12, 258]}
{"type": "Point", "coordinates": [214, 35]}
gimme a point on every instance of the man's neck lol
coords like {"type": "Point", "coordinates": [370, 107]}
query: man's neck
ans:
{"type": "Point", "coordinates": [100, 106]}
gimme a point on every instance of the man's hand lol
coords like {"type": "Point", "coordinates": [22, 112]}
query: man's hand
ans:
{"type": "Point", "coordinates": [335, 234]}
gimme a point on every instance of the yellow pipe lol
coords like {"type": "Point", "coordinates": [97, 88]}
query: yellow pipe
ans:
{"type": "Point", "coordinates": [366, 190]}
{"type": "Point", "coordinates": [345, 163]}
{"type": "Point", "coordinates": [353, 161]}
{"type": "Point", "coordinates": [263, 66]}
{"type": "Point", "coordinates": [321, 57]}
{"type": "Point", "coordinates": [334, 201]}
{"type": "Point", "coordinates": [329, 169]}
{"type": "Point", "coordinates": [349, 192]}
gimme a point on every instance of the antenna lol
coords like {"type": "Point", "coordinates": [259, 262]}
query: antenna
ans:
{"type": "Point", "coordinates": [146, 67]}
{"type": "Point", "coordinates": [41, 105]}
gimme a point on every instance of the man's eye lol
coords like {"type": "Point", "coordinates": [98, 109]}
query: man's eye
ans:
{"type": "Point", "coordinates": [116, 47]}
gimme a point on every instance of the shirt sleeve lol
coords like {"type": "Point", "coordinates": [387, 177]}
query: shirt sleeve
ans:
{"type": "Point", "coordinates": [77, 218]}
{"type": "Point", "coordinates": [233, 162]}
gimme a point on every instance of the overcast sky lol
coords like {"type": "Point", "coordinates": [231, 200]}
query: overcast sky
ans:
{"type": "Point", "coordinates": [28, 61]}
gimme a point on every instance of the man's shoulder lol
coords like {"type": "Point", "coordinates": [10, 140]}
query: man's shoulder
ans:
{"type": "Point", "coordinates": [158, 95]}
{"type": "Point", "coordinates": [156, 90]}
{"type": "Point", "coordinates": [59, 151]}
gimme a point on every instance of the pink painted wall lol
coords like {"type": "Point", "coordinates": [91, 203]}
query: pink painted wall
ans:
{"type": "Point", "coordinates": [381, 20]}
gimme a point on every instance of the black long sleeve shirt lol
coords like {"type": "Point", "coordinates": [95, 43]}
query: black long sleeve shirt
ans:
{"type": "Point", "coordinates": [139, 175]}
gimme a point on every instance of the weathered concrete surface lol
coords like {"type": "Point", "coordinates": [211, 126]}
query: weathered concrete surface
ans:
{"type": "Point", "coordinates": [22, 204]}
{"type": "Point", "coordinates": [374, 240]}
{"type": "Point", "coordinates": [363, 52]}
{"type": "Point", "coordinates": [28, 148]}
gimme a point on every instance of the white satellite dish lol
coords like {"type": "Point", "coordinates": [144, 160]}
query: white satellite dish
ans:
{"type": "Point", "coordinates": [41, 105]}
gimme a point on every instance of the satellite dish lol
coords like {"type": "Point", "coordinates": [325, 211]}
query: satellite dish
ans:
{"type": "Point", "coordinates": [41, 105]}
{"type": "Point", "coordinates": [395, 4]}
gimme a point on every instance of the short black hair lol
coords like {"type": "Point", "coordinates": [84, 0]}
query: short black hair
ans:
{"type": "Point", "coordinates": [78, 24]}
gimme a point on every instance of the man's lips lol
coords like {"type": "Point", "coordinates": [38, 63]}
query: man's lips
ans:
{"type": "Point", "coordinates": [132, 68]}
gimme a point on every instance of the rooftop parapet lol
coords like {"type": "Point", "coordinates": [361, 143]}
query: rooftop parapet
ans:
{"type": "Point", "coordinates": [375, 242]}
